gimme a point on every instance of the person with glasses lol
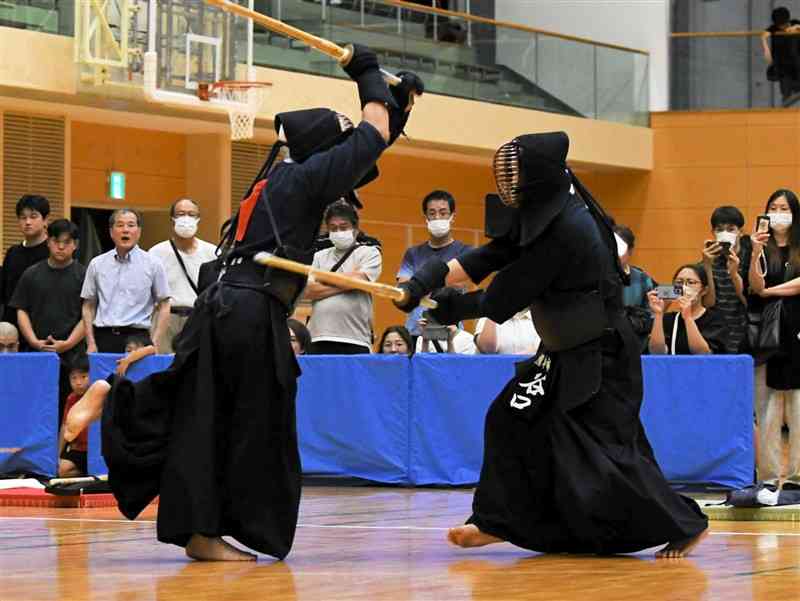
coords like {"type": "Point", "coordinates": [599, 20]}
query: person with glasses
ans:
{"type": "Point", "coordinates": [692, 329]}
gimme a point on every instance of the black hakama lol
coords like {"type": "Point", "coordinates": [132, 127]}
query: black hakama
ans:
{"type": "Point", "coordinates": [214, 435]}
{"type": "Point", "coordinates": [571, 471]}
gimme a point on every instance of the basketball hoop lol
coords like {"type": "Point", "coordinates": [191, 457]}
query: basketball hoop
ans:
{"type": "Point", "coordinates": [242, 99]}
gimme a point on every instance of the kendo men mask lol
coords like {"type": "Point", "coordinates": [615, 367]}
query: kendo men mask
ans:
{"type": "Point", "coordinates": [527, 162]}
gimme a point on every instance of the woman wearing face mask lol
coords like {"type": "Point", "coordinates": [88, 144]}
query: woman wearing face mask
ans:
{"type": "Point", "coordinates": [775, 273]}
{"type": "Point", "coordinates": [693, 329]}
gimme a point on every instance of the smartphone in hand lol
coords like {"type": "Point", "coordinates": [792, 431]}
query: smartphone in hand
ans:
{"type": "Point", "coordinates": [762, 222]}
{"type": "Point", "coordinates": [669, 292]}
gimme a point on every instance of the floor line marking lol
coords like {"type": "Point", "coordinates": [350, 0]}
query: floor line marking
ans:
{"type": "Point", "coordinates": [342, 526]}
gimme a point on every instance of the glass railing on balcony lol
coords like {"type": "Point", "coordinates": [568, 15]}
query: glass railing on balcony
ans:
{"type": "Point", "coordinates": [722, 70]}
{"type": "Point", "coordinates": [455, 53]}
{"type": "Point", "coordinates": [49, 16]}
{"type": "Point", "coordinates": [469, 57]}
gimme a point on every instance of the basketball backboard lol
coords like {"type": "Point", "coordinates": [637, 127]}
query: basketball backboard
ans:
{"type": "Point", "coordinates": [193, 43]}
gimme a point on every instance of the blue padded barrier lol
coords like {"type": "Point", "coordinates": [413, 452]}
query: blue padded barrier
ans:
{"type": "Point", "coordinates": [29, 419]}
{"type": "Point", "coordinates": [420, 421]}
{"type": "Point", "coordinates": [698, 414]}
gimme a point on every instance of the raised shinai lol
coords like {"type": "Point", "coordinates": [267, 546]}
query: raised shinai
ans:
{"type": "Point", "coordinates": [567, 466]}
{"type": "Point", "coordinates": [215, 433]}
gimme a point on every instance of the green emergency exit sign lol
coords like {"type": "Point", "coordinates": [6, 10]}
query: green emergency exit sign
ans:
{"type": "Point", "coordinates": [116, 185]}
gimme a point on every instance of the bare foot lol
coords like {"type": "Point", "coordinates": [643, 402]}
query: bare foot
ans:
{"type": "Point", "coordinates": [469, 536]}
{"type": "Point", "coordinates": [204, 548]}
{"type": "Point", "coordinates": [681, 548]}
{"type": "Point", "coordinates": [87, 410]}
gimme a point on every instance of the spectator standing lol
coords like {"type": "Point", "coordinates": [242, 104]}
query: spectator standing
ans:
{"type": "Point", "coordinates": [439, 209]}
{"type": "Point", "coordinates": [396, 340]}
{"type": "Point", "coordinates": [341, 319]}
{"type": "Point", "coordinates": [516, 336]}
{"type": "Point", "coordinates": [775, 274]}
{"type": "Point", "coordinates": [727, 258]}
{"type": "Point", "coordinates": [694, 329]}
{"type": "Point", "coordinates": [182, 255]}
{"type": "Point", "coordinates": [72, 460]}
{"type": "Point", "coordinates": [48, 302]}
{"type": "Point", "coordinates": [125, 291]}
{"type": "Point", "coordinates": [299, 337]}
{"type": "Point", "coordinates": [48, 296]}
{"type": "Point", "coordinates": [9, 338]}
{"type": "Point", "coordinates": [634, 294]}
{"type": "Point", "coordinates": [782, 55]}
{"type": "Point", "coordinates": [32, 212]}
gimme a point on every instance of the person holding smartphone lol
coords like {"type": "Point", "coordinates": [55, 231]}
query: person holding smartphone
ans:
{"type": "Point", "coordinates": [693, 329]}
{"type": "Point", "coordinates": [774, 274]}
{"type": "Point", "coordinates": [726, 259]}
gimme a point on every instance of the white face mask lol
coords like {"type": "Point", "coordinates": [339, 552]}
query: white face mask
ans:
{"type": "Point", "coordinates": [342, 240]}
{"type": "Point", "coordinates": [439, 228]}
{"type": "Point", "coordinates": [780, 219]}
{"type": "Point", "coordinates": [185, 227]}
{"type": "Point", "coordinates": [729, 237]}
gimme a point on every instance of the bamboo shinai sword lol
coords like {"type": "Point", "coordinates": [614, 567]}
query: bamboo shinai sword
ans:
{"type": "Point", "coordinates": [340, 54]}
{"type": "Point", "coordinates": [339, 279]}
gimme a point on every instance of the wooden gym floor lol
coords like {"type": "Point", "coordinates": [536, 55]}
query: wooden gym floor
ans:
{"type": "Point", "coordinates": [376, 544]}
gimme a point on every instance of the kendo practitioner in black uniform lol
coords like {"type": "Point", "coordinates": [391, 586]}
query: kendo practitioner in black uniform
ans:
{"type": "Point", "coordinates": [567, 466]}
{"type": "Point", "coordinates": [215, 434]}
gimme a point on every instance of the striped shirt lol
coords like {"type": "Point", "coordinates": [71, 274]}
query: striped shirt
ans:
{"type": "Point", "coordinates": [728, 304]}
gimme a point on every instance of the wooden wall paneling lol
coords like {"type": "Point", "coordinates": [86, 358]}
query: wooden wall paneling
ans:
{"type": "Point", "coordinates": [763, 181]}
{"type": "Point", "coordinates": [701, 147]}
{"type": "Point", "coordinates": [773, 146]}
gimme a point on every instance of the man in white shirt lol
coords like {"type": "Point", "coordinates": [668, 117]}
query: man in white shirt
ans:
{"type": "Point", "coordinates": [181, 257]}
{"type": "Point", "coordinates": [515, 336]}
{"type": "Point", "coordinates": [341, 319]}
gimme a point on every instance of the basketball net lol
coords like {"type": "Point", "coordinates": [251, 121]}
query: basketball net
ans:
{"type": "Point", "coordinates": [242, 99]}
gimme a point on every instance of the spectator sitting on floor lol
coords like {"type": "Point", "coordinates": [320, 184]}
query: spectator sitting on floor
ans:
{"type": "Point", "coordinates": [9, 338]}
{"type": "Point", "coordinates": [341, 319]}
{"type": "Point", "coordinates": [72, 456]}
{"type": "Point", "coordinates": [125, 291]}
{"type": "Point", "coordinates": [396, 340]}
{"type": "Point", "coordinates": [32, 212]}
{"type": "Point", "coordinates": [182, 255]}
{"type": "Point", "coordinates": [458, 341]}
{"type": "Point", "coordinates": [694, 329]}
{"type": "Point", "coordinates": [439, 210]}
{"type": "Point", "coordinates": [727, 258]}
{"type": "Point", "coordinates": [299, 337]}
{"type": "Point", "coordinates": [137, 347]}
{"type": "Point", "coordinates": [515, 336]}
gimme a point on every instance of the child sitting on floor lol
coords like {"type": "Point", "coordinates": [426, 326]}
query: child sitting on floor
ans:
{"type": "Point", "coordinates": [72, 455]}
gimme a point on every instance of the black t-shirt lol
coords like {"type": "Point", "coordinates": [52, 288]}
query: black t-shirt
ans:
{"type": "Point", "coordinates": [51, 298]}
{"type": "Point", "coordinates": [18, 259]}
{"type": "Point", "coordinates": [784, 47]}
{"type": "Point", "coordinates": [712, 325]}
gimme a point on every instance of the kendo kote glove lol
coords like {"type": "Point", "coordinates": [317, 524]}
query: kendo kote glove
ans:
{"type": "Point", "coordinates": [409, 86]}
{"type": "Point", "coordinates": [455, 306]}
{"type": "Point", "coordinates": [363, 68]}
{"type": "Point", "coordinates": [431, 276]}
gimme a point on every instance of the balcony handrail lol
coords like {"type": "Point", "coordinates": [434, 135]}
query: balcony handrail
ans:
{"type": "Point", "coordinates": [505, 24]}
{"type": "Point", "coordinates": [728, 34]}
